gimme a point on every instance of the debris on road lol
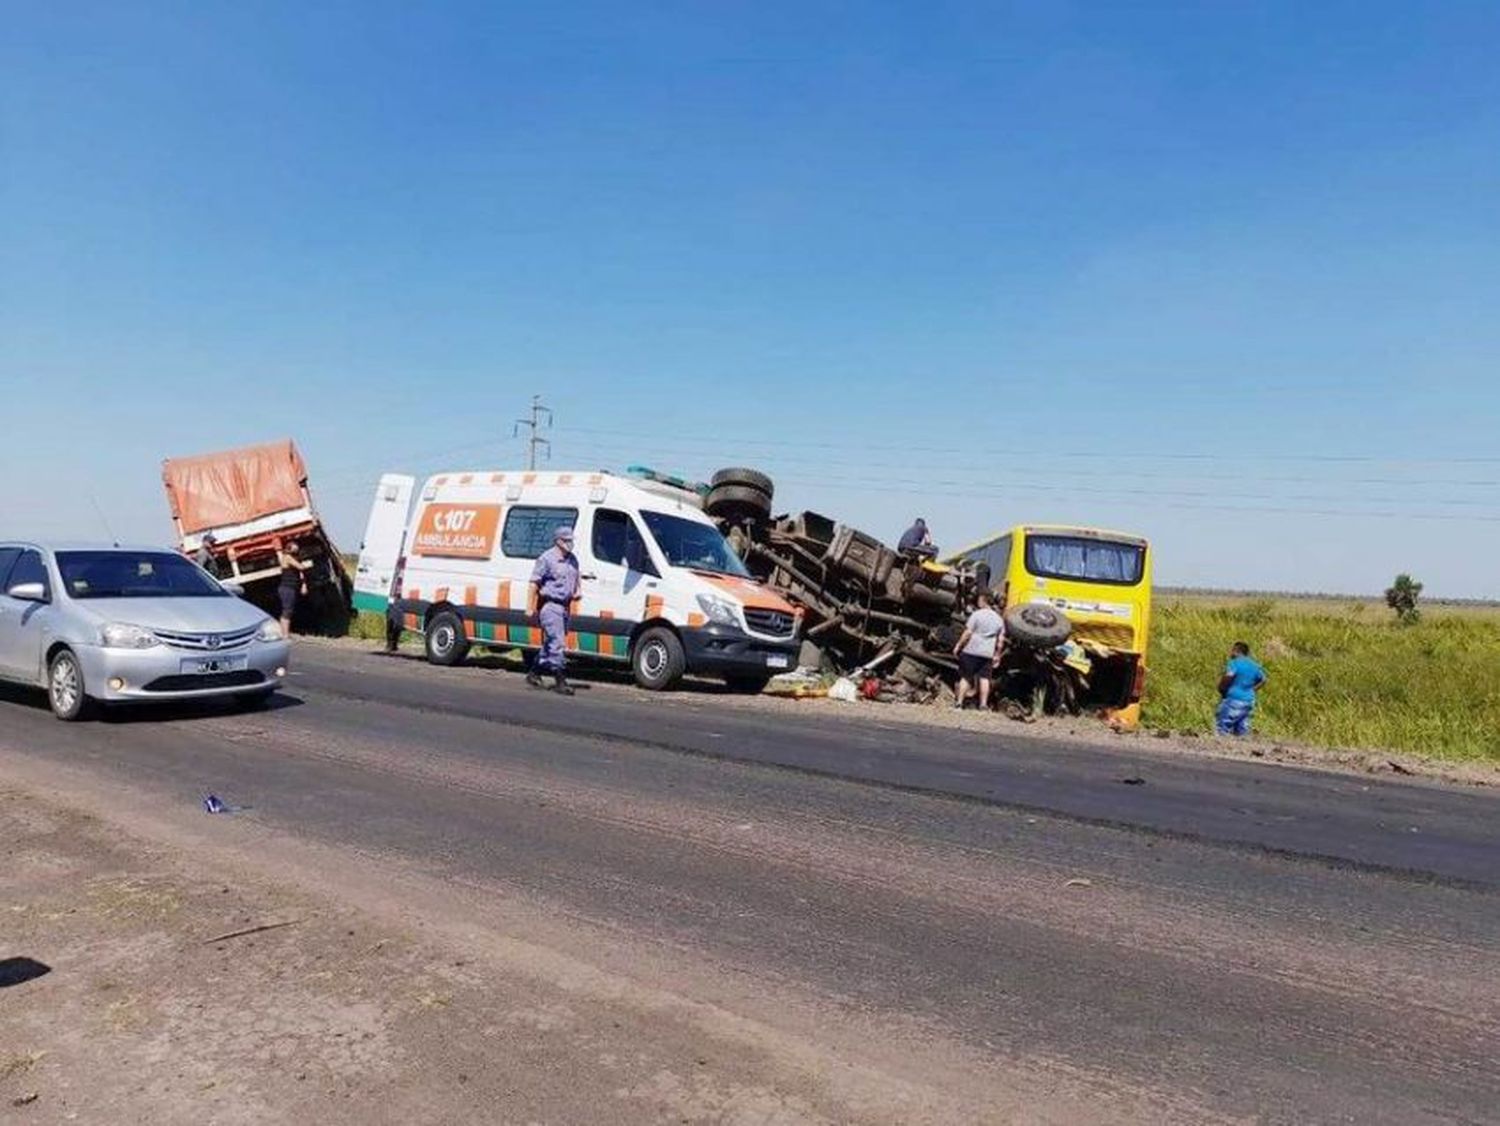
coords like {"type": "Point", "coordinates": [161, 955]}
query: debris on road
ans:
{"type": "Point", "coordinates": [251, 930]}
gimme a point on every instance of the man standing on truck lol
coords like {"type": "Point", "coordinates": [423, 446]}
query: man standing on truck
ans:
{"type": "Point", "coordinates": [1242, 679]}
{"type": "Point", "coordinates": [555, 577]}
{"type": "Point", "coordinates": [978, 651]}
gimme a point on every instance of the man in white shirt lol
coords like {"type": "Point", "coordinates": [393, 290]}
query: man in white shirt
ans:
{"type": "Point", "coordinates": [978, 650]}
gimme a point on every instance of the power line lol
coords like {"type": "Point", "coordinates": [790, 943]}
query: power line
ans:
{"type": "Point", "coordinates": [1096, 455]}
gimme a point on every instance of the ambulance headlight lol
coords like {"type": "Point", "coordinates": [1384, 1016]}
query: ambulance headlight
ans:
{"type": "Point", "coordinates": [718, 610]}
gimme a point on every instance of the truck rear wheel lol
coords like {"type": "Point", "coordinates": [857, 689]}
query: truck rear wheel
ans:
{"type": "Point", "coordinates": [445, 640]}
{"type": "Point", "coordinates": [746, 478]}
{"type": "Point", "coordinates": [737, 503]}
{"type": "Point", "coordinates": [657, 659]}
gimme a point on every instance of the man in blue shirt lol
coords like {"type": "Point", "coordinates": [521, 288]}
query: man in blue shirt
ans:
{"type": "Point", "coordinates": [555, 577]}
{"type": "Point", "coordinates": [1241, 680]}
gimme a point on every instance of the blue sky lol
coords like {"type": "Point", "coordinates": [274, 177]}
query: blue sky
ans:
{"type": "Point", "coordinates": [1222, 274]}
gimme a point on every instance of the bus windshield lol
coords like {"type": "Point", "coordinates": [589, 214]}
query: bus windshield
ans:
{"type": "Point", "coordinates": [698, 547]}
{"type": "Point", "coordinates": [1085, 560]}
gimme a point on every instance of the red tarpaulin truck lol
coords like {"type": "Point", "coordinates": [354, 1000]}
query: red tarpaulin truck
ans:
{"type": "Point", "coordinates": [252, 501]}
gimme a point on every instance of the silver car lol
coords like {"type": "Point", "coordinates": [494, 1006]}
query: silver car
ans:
{"type": "Point", "coordinates": [113, 625]}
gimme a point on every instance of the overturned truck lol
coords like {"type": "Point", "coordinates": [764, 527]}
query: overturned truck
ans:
{"type": "Point", "coordinates": [868, 606]}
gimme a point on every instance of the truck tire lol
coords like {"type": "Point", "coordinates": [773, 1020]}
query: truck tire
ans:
{"type": "Point", "coordinates": [657, 659]}
{"type": "Point", "coordinates": [737, 504]}
{"type": "Point", "coordinates": [747, 478]}
{"type": "Point", "coordinates": [1037, 625]}
{"type": "Point", "coordinates": [445, 640]}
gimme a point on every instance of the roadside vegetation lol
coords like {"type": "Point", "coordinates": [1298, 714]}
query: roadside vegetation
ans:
{"type": "Point", "coordinates": [1343, 674]}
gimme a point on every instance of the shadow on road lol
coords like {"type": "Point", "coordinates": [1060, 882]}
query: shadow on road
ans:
{"type": "Point", "coordinates": [582, 673]}
{"type": "Point", "coordinates": [13, 695]}
{"type": "Point", "coordinates": [18, 971]}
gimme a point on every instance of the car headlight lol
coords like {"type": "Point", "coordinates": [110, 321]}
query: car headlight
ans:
{"type": "Point", "coordinates": [718, 610]}
{"type": "Point", "coordinates": [119, 635]}
{"type": "Point", "coordinates": [270, 630]}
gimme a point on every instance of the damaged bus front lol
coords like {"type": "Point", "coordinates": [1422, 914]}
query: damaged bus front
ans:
{"type": "Point", "coordinates": [1101, 581]}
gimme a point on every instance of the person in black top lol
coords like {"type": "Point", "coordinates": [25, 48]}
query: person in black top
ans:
{"type": "Point", "coordinates": [916, 540]}
{"type": "Point", "coordinates": [293, 583]}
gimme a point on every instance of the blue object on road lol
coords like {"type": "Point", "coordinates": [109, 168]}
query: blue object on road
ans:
{"type": "Point", "coordinates": [212, 804]}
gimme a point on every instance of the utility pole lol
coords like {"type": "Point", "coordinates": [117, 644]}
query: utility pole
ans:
{"type": "Point", "coordinates": [534, 425]}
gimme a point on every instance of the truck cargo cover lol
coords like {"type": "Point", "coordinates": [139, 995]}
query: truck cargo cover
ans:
{"type": "Point", "coordinates": [234, 486]}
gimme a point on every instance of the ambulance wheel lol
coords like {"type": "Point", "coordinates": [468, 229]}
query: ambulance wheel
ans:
{"type": "Point", "coordinates": [657, 659]}
{"type": "Point", "coordinates": [737, 503]}
{"type": "Point", "coordinates": [446, 643]}
{"type": "Point", "coordinates": [747, 478]}
{"type": "Point", "coordinates": [1038, 625]}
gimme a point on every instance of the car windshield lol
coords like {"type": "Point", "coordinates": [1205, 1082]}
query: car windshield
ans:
{"type": "Point", "coordinates": [687, 543]}
{"type": "Point", "coordinates": [134, 574]}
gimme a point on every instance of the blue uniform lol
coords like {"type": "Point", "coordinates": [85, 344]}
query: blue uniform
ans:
{"type": "Point", "coordinates": [556, 579]}
{"type": "Point", "coordinates": [1245, 677]}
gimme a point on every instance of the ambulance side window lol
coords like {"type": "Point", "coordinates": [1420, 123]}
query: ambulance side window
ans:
{"type": "Point", "coordinates": [529, 529]}
{"type": "Point", "coordinates": [617, 540]}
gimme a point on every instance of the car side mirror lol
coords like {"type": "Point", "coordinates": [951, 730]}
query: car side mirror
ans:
{"type": "Point", "coordinates": [234, 589]}
{"type": "Point", "coordinates": [28, 592]}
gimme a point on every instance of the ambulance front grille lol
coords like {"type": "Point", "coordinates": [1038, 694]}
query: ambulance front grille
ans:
{"type": "Point", "coordinates": [771, 623]}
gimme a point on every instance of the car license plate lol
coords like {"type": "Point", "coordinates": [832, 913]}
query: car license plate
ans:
{"type": "Point", "coordinates": [206, 665]}
{"type": "Point", "coordinates": [778, 661]}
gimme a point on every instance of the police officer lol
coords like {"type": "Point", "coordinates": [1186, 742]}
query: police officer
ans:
{"type": "Point", "coordinates": [555, 577]}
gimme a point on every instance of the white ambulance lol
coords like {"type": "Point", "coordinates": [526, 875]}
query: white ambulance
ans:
{"type": "Point", "coordinates": [661, 587]}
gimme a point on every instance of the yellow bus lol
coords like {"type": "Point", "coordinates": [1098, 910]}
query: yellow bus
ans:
{"type": "Point", "coordinates": [1101, 580]}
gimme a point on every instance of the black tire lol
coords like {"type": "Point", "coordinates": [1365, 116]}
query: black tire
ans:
{"type": "Point", "coordinates": [747, 685]}
{"type": "Point", "coordinates": [737, 503]}
{"type": "Point", "coordinates": [747, 478]}
{"type": "Point", "coordinates": [1037, 625]}
{"type": "Point", "coordinates": [254, 701]}
{"type": "Point", "coordinates": [66, 692]}
{"type": "Point", "coordinates": [444, 640]}
{"type": "Point", "coordinates": [657, 659]}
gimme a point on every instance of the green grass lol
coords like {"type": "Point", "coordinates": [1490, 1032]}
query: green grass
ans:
{"type": "Point", "coordinates": [1340, 674]}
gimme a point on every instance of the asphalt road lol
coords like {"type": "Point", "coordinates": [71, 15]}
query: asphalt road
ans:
{"type": "Point", "coordinates": [1243, 940]}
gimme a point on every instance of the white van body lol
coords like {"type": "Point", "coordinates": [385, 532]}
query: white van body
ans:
{"type": "Point", "coordinates": [661, 588]}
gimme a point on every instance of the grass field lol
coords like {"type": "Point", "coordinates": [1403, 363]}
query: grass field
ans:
{"type": "Point", "coordinates": [1340, 672]}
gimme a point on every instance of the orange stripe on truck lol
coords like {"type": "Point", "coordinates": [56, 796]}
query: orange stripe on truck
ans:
{"type": "Point", "coordinates": [471, 596]}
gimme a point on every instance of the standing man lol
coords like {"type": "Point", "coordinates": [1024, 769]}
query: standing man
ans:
{"type": "Point", "coordinates": [979, 649]}
{"type": "Point", "coordinates": [1242, 678]}
{"type": "Point", "coordinates": [555, 577]}
{"type": "Point", "coordinates": [204, 556]}
{"type": "Point", "coordinates": [915, 539]}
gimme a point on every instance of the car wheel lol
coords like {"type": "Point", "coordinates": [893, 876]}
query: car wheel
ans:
{"type": "Point", "coordinates": [65, 689]}
{"type": "Point", "coordinates": [445, 639]}
{"type": "Point", "coordinates": [657, 659]}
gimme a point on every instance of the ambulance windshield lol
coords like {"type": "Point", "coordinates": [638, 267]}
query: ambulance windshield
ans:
{"type": "Point", "coordinates": [698, 547]}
